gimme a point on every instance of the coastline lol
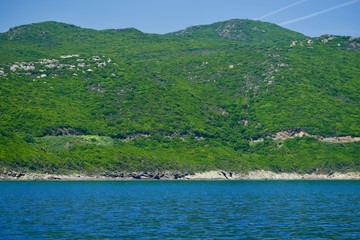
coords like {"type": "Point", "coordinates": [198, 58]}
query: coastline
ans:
{"type": "Point", "coordinates": [210, 175]}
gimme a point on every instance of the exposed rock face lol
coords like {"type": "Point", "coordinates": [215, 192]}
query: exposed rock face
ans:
{"type": "Point", "coordinates": [70, 56]}
{"type": "Point", "coordinates": [65, 62]}
{"type": "Point", "coordinates": [290, 134]}
{"type": "Point", "coordinates": [268, 175]}
{"type": "Point", "coordinates": [22, 66]}
{"type": "Point", "coordinates": [284, 135]}
{"type": "Point", "coordinates": [13, 174]}
{"type": "Point", "coordinates": [211, 175]}
{"type": "Point", "coordinates": [345, 139]}
{"type": "Point", "coordinates": [145, 175]}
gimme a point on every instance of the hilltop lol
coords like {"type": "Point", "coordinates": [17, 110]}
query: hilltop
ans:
{"type": "Point", "coordinates": [237, 95]}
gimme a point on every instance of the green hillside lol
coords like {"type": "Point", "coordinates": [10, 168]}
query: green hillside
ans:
{"type": "Point", "coordinates": [204, 98]}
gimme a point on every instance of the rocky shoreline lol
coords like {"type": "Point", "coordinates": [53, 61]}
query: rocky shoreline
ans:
{"type": "Point", "coordinates": [211, 175]}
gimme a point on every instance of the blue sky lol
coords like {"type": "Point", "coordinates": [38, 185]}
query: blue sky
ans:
{"type": "Point", "coordinates": [311, 17]}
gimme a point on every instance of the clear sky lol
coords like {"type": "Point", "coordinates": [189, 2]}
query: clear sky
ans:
{"type": "Point", "coordinates": [311, 17]}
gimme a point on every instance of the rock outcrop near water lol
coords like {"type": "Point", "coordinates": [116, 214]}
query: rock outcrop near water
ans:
{"type": "Point", "coordinates": [211, 175]}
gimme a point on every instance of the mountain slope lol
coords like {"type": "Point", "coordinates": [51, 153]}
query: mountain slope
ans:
{"type": "Point", "coordinates": [207, 97]}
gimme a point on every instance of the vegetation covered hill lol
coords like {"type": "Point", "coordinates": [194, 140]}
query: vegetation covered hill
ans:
{"type": "Point", "coordinates": [207, 97]}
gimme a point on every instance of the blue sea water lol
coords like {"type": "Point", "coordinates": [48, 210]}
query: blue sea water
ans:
{"type": "Point", "coordinates": [180, 210]}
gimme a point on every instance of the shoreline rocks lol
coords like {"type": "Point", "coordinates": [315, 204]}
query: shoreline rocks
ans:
{"type": "Point", "coordinates": [210, 175]}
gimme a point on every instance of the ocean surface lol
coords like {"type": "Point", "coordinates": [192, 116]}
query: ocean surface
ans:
{"type": "Point", "coordinates": [180, 210]}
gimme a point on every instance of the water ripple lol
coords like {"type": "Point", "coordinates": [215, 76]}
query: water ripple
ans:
{"type": "Point", "coordinates": [180, 210]}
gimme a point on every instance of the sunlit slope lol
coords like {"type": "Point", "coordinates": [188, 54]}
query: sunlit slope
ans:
{"type": "Point", "coordinates": [207, 97]}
